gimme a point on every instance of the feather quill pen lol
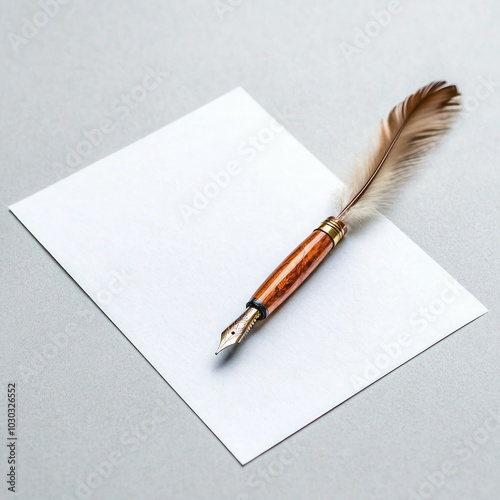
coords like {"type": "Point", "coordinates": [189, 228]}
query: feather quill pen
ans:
{"type": "Point", "coordinates": [409, 131]}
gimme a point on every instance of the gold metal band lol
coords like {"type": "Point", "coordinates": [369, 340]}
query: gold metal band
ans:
{"type": "Point", "coordinates": [334, 228]}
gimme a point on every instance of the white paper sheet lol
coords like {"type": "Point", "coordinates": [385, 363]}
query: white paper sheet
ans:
{"type": "Point", "coordinates": [171, 249]}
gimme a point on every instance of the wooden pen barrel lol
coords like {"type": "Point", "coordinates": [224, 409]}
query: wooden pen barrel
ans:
{"type": "Point", "coordinates": [291, 273]}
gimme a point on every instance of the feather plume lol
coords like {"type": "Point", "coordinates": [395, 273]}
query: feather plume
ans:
{"type": "Point", "coordinates": [411, 128]}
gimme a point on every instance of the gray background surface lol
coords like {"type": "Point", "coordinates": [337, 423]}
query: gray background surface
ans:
{"type": "Point", "coordinates": [81, 402]}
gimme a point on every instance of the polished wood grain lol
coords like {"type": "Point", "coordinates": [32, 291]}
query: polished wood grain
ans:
{"type": "Point", "coordinates": [293, 271]}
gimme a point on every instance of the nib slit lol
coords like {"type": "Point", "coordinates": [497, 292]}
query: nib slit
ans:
{"type": "Point", "coordinates": [238, 330]}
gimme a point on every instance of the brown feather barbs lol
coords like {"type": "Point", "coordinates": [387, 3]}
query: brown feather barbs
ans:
{"type": "Point", "coordinates": [411, 128]}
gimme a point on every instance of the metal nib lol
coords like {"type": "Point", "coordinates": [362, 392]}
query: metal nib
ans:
{"type": "Point", "coordinates": [236, 331]}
